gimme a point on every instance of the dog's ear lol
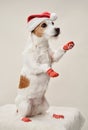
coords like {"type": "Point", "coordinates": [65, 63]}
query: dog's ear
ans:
{"type": "Point", "coordinates": [34, 29]}
{"type": "Point", "coordinates": [38, 31]}
{"type": "Point", "coordinates": [41, 25]}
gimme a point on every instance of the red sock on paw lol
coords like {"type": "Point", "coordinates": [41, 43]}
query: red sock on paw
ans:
{"type": "Point", "coordinates": [52, 73]}
{"type": "Point", "coordinates": [26, 119]}
{"type": "Point", "coordinates": [69, 45]}
{"type": "Point", "coordinates": [57, 116]}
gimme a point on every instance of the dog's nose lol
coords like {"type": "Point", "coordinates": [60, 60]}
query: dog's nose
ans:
{"type": "Point", "coordinates": [57, 30]}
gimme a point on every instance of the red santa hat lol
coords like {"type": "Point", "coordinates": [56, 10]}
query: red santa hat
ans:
{"type": "Point", "coordinates": [35, 19]}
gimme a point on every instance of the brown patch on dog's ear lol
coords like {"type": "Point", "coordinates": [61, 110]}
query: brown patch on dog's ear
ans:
{"type": "Point", "coordinates": [24, 82]}
{"type": "Point", "coordinates": [39, 30]}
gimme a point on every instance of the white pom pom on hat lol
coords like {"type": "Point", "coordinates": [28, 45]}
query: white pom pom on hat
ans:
{"type": "Point", "coordinates": [35, 19]}
{"type": "Point", "coordinates": [53, 16]}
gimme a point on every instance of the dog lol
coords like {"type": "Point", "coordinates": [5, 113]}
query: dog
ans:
{"type": "Point", "coordinates": [37, 67]}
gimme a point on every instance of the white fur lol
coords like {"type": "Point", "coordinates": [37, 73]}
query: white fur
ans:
{"type": "Point", "coordinates": [38, 58]}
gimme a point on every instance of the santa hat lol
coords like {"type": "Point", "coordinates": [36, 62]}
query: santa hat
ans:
{"type": "Point", "coordinates": [34, 20]}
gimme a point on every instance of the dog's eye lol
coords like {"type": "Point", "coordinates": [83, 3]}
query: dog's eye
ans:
{"type": "Point", "coordinates": [44, 25]}
{"type": "Point", "coordinates": [52, 23]}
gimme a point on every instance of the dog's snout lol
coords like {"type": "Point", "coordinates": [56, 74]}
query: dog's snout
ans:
{"type": "Point", "coordinates": [57, 30]}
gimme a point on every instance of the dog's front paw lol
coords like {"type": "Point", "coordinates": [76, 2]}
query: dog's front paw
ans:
{"type": "Point", "coordinates": [52, 73]}
{"type": "Point", "coordinates": [68, 46]}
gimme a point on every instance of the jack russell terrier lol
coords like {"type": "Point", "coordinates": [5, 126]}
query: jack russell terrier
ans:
{"type": "Point", "coordinates": [37, 68]}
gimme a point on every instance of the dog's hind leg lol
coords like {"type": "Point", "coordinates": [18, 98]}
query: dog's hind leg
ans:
{"type": "Point", "coordinates": [24, 110]}
{"type": "Point", "coordinates": [43, 107]}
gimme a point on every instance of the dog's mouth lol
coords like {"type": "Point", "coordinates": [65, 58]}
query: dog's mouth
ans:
{"type": "Point", "coordinates": [56, 34]}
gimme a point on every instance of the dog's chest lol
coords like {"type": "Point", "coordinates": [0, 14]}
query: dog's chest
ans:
{"type": "Point", "coordinates": [41, 55]}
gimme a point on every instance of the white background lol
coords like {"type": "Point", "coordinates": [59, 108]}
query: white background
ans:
{"type": "Point", "coordinates": [71, 88]}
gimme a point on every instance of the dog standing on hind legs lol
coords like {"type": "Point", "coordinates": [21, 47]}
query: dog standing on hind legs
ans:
{"type": "Point", "coordinates": [37, 68]}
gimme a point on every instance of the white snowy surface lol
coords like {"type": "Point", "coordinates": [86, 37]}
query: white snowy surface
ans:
{"type": "Point", "coordinates": [73, 120]}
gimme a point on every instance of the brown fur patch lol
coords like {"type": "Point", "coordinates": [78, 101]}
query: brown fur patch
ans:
{"type": "Point", "coordinates": [39, 31]}
{"type": "Point", "coordinates": [24, 82]}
